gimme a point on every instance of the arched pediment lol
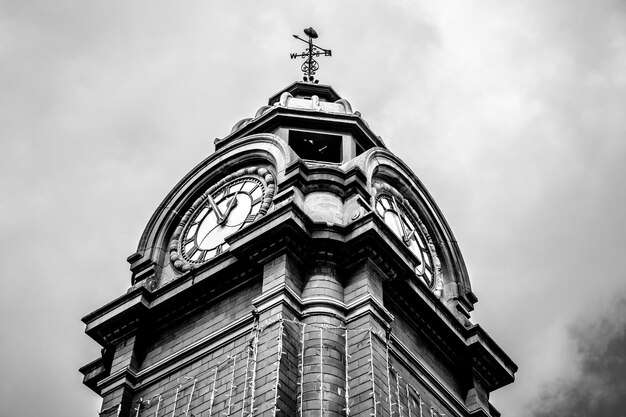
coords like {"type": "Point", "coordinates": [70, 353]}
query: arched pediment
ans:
{"type": "Point", "coordinates": [263, 150]}
{"type": "Point", "coordinates": [383, 167]}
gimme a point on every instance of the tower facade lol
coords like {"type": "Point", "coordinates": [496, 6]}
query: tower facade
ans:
{"type": "Point", "coordinates": [300, 270]}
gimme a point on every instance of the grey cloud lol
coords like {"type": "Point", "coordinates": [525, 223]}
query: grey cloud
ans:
{"type": "Point", "coordinates": [600, 389]}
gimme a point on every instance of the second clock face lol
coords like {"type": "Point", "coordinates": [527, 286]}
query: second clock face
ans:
{"type": "Point", "coordinates": [401, 222]}
{"type": "Point", "coordinates": [225, 208]}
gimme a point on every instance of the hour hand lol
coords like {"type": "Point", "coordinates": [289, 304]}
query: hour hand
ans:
{"type": "Point", "coordinates": [231, 205]}
{"type": "Point", "coordinates": [218, 213]}
{"type": "Point", "coordinates": [408, 235]}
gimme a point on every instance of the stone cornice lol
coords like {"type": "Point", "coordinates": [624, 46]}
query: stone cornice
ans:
{"type": "Point", "coordinates": [119, 317]}
{"type": "Point", "coordinates": [489, 360]}
{"type": "Point", "coordinates": [469, 345]}
{"type": "Point", "coordinates": [281, 294]}
{"type": "Point", "coordinates": [294, 117]}
{"type": "Point", "coordinates": [123, 378]}
{"type": "Point", "coordinates": [323, 305]}
{"type": "Point", "coordinates": [340, 179]}
{"type": "Point", "coordinates": [365, 305]}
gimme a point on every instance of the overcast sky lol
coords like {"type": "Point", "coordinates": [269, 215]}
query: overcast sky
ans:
{"type": "Point", "coordinates": [513, 114]}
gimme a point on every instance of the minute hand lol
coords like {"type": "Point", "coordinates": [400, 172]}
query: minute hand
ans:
{"type": "Point", "coordinates": [407, 233]}
{"type": "Point", "coordinates": [405, 236]}
{"type": "Point", "coordinates": [218, 213]}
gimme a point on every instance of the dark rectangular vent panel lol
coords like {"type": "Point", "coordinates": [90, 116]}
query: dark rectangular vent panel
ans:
{"type": "Point", "coordinates": [316, 146]}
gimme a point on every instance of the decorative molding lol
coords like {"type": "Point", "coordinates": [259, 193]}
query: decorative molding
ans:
{"type": "Point", "coordinates": [281, 294]}
{"type": "Point", "coordinates": [346, 105]}
{"type": "Point", "coordinates": [381, 163]}
{"type": "Point", "coordinates": [368, 304]}
{"type": "Point", "coordinates": [324, 306]}
{"type": "Point", "coordinates": [296, 116]}
{"type": "Point", "coordinates": [124, 378]}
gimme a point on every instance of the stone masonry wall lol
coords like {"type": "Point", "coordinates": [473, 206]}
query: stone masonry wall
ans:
{"type": "Point", "coordinates": [288, 364]}
{"type": "Point", "coordinates": [291, 368]}
{"type": "Point", "coordinates": [425, 350]}
{"type": "Point", "coordinates": [200, 324]}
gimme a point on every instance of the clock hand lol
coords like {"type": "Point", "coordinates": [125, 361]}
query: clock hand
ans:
{"type": "Point", "coordinates": [407, 238]}
{"type": "Point", "coordinates": [231, 204]}
{"type": "Point", "coordinates": [404, 233]}
{"type": "Point", "coordinates": [218, 213]}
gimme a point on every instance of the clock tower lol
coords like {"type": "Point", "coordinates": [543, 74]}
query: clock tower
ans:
{"type": "Point", "coordinates": [300, 270]}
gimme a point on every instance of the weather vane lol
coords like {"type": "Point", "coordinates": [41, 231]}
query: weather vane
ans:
{"type": "Point", "coordinates": [310, 66]}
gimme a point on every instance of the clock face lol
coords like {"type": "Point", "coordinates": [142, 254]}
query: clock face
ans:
{"type": "Point", "coordinates": [403, 225]}
{"type": "Point", "coordinates": [224, 208]}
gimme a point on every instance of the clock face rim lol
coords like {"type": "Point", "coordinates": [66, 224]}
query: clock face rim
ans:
{"type": "Point", "coordinates": [261, 175]}
{"type": "Point", "coordinates": [405, 209]}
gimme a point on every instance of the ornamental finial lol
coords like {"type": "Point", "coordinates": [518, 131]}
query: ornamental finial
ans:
{"type": "Point", "coordinates": [310, 66]}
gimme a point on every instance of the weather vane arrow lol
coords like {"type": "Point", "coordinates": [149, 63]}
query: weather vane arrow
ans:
{"type": "Point", "coordinates": [310, 66]}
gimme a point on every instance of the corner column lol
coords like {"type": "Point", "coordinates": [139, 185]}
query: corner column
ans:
{"type": "Point", "coordinates": [117, 389]}
{"type": "Point", "coordinates": [323, 367]}
{"type": "Point", "coordinates": [271, 390]}
{"type": "Point", "coordinates": [368, 323]}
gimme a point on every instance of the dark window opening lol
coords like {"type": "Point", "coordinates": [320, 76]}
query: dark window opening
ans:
{"type": "Point", "coordinates": [316, 146]}
{"type": "Point", "coordinates": [359, 149]}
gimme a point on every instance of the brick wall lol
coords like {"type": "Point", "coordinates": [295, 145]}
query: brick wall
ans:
{"type": "Point", "coordinates": [283, 367]}
{"type": "Point", "coordinates": [425, 350]}
{"type": "Point", "coordinates": [216, 381]}
{"type": "Point", "coordinates": [264, 370]}
{"type": "Point", "coordinates": [200, 324]}
{"type": "Point", "coordinates": [407, 393]}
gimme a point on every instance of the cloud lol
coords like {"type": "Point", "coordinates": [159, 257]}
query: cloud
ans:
{"type": "Point", "coordinates": [512, 113]}
{"type": "Point", "coordinates": [600, 388]}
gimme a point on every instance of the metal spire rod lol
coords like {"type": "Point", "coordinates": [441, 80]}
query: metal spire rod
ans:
{"type": "Point", "coordinates": [310, 66]}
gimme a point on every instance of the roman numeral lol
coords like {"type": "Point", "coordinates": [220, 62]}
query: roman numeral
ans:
{"type": "Point", "coordinates": [257, 200]}
{"type": "Point", "coordinates": [250, 218]}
